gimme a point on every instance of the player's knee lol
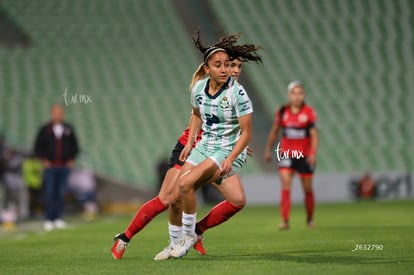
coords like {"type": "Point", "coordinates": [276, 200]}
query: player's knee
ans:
{"type": "Point", "coordinates": [165, 199]}
{"type": "Point", "coordinates": [185, 185]}
{"type": "Point", "coordinates": [307, 188]}
{"type": "Point", "coordinates": [286, 187]}
{"type": "Point", "coordinates": [307, 185]}
{"type": "Point", "coordinates": [239, 201]}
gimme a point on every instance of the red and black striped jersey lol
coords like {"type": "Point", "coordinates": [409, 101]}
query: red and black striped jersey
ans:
{"type": "Point", "coordinates": [295, 129]}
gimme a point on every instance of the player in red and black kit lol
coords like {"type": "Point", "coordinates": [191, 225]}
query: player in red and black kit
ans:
{"type": "Point", "coordinates": [296, 150]}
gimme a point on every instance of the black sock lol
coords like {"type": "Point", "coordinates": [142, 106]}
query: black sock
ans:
{"type": "Point", "coordinates": [124, 238]}
{"type": "Point", "coordinates": [198, 231]}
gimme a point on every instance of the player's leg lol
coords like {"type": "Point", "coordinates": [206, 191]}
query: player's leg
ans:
{"type": "Point", "coordinates": [175, 209]}
{"type": "Point", "coordinates": [306, 175]}
{"type": "Point", "coordinates": [61, 185]}
{"type": "Point", "coordinates": [153, 207]}
{"type": "Point", "coordinates": [286, 175]}
{"type": "Point", "coordinates": [205, 172]}
{"type": "Point", "coordinates": [145, 214]}
{"type": "Point", "coordinates": [174, 216]}
{"type": "Point", "coordinates": [49, 190]}
{"type": "Point", "coordinates": [232, 190]}
{"type": "Point", "coordinates": [309, 198]}
{"type": "Point", "coordinates": [175, 227]}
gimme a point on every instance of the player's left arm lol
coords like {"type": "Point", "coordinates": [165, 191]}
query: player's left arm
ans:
{"type": "Point", "coordinates": [245, 123]}
{"type": "Point", "coordinates": [195, 124]}
{"type": "Point", "coordinates": [314, 141]}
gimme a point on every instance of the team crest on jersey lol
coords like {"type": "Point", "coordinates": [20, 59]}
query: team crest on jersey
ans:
{"type": "Point", "coordinates": [224, 103]}
{"type": "Point", "coordinates": [302, 118]}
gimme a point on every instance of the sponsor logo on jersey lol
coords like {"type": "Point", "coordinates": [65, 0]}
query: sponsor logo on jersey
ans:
{"type": "Point", "coordinates": [295, 133]}
{"type": "Point", "coordinates": [208, 104]}
{"type": "Point", "coordinates": [302, 118]}
{"type": "Point", "coordinates": [199, 99]}
{"type": "Point", "coordinates": [244, 106]}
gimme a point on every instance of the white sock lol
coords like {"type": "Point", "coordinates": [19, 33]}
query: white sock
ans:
{"type": "Point", "coordinates": [175, 233]}
{"type": "Point", "coordinates": [189, 223]}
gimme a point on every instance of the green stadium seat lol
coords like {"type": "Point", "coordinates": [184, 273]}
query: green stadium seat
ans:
{"type": "Point", "coordinates": [354, 58]}
{"type": "Point", "coordinates": [136, 76]}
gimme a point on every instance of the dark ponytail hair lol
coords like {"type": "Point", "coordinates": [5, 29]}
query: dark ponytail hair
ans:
{"type": "Point", "coordinates": [244, 52]}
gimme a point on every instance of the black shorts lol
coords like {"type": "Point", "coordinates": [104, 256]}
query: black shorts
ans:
{"type": "Point", "coordinates": [175, 155]}
{"type": "Point", "coordinates": [299, 165]}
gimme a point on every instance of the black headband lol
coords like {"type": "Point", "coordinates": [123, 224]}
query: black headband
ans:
{"type": "Point", "coordinates": [212, 50]}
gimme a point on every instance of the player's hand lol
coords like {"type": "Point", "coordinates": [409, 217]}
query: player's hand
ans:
{"type": "Point", "coordinates": [311, 160]}
{"type": "Point", "coordinates": [185, 153]}
{"type": "Point", "coordinates": [268, 156]}
{"type": "Point", "coordinates": [226, 167]}
{"type": "Point", "coordinates": [46, 163]}
{"type": "Point", "coordinates": [249, 151]}
{"type": "Point", "coordinates": [70, 164]}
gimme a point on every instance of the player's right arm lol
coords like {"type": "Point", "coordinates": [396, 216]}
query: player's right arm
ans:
{"type": "Point", "coordinates": [195, 125]}
{"type": "Point", "coordinates": [271, 139]}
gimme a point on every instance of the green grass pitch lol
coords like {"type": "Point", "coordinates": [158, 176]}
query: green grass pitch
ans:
{"type": "Point", "coordinates": [247, 244]}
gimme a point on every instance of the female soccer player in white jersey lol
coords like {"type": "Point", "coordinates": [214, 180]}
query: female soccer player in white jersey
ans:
{"type": "Point", "coordinates": [231, 188]}
{"type": "Point", "coordinates": [233, 203]}
{"type": "Point", "coordinates": [223, 110]}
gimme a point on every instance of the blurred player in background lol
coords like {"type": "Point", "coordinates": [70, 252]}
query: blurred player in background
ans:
{"type": "Point", "coordinates": [296, 150]}
{"type": "Point", "coordinates": [57, 147]}
{"type": "Point", "coordinates": [32, 172]}
{"type": "Point", "coordinates": [15, 206]}
{"type": "Point", "coordinates": [236, 65]}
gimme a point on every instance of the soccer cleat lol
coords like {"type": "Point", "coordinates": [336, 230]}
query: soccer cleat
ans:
{"type": "Point", "coordinates": [118, 248]}
{"type": "Point", "coordinates": [310, 224]}
{"type": "Point", "coordinates": [165, 254]}
{"type": "Point", "coordinates": [61, 224]}
{"type": "Point", "coordinates": [184, 246]}
{"type": "Point", "coordinates": [48, 226]}
{"type": "Point", "coordinates": [284, 226]}
{"type": "Point", "coordinates": [198, 246]}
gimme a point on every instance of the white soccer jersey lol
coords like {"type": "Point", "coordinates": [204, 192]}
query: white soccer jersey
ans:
{"type": "Point", "coordinates": [220, 113]}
